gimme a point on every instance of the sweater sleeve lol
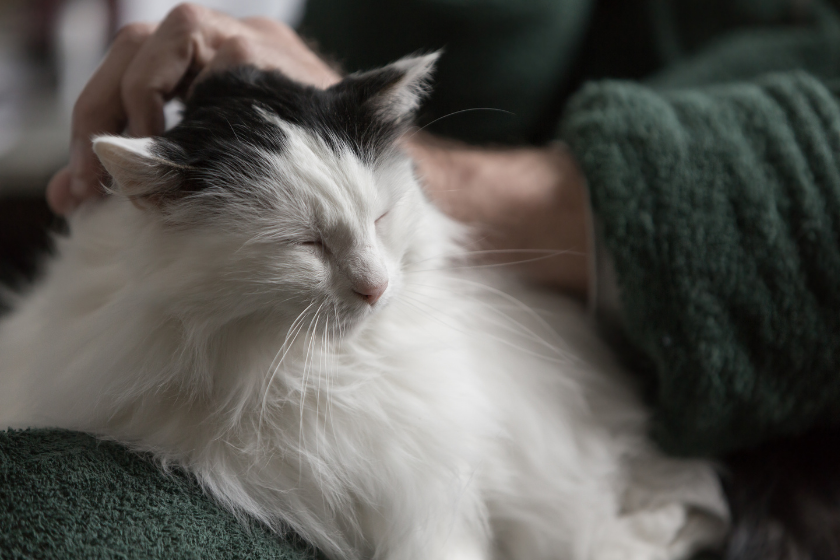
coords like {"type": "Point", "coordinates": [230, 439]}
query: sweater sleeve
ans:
{"type": "Point", "coordinates": [720, 207]}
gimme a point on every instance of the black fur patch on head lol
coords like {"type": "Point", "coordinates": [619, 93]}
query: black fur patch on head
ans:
{"type": "Point", "coordinates": [221, 121]}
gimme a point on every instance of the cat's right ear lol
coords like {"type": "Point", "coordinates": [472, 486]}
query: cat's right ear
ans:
{"type": "Point", "coordinates": [396, 90]}
{"type": "Point", "coordinates": [139, 174]}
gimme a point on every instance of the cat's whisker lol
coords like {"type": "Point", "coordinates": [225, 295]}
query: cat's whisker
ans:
{"type": "Point", "coordinates": [508, 298]}
{"type": "Point", "coordinates": [432, 313]}
{"type": "Point", "coordinates": [321, 373]}
{"type": "Point", "coordinates": [335, 357]}
{"type": "Point", "coordinates": [307, 365]}
{"type": "Point", "coordinates": [429, 310]}
{"type": "Point", "coordinates": [330, 371]}
{"type": "Point", "coordinates": [284, 348]}
{"type": "Point", "coordinates": [293, 329]}
{"type": "Point", "coordinates": [460, 254]}
{"type": "Point", "coordinates": [453, 113]}
{"type": "Point", "coordinates": [550, 255]}
{"type": "Point", "coordinates": [512, 324]}
{"type": "Point", "coordinates": [316, 416]}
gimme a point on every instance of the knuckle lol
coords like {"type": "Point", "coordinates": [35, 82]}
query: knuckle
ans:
{"type": "Point", "coordinates": [133, 34]}
{"type": "Point", "coordinates": [238, 49]}
{"type": "Point", "coordinates": [186, 16]}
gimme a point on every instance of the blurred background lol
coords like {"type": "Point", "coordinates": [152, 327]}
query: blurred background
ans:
{"type": "Point", "coordinates": [48, 50]}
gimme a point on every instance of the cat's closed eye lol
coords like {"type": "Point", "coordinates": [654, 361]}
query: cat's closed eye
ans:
{"type": "Point", "coordinates": [313, 243]}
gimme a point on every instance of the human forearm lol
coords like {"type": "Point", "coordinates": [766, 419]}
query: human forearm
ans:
{"type": "Point", "coordinates": [529, 204]}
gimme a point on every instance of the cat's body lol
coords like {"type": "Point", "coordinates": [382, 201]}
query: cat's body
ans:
{"type": "Point", "coordinates": [288, 318]}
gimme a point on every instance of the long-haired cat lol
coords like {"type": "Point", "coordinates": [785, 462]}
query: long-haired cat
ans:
{"type": "Point", "coordinates": [268, 301]}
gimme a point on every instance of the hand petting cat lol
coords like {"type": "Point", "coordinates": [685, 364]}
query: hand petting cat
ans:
{"type": "Point", "coordinates": [528, 204]}
{"type": "Point", "coordinates": [148, 64]}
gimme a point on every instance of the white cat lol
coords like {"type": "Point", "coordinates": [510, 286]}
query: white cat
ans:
{"type": "Point", "coordinates": [269, 302]}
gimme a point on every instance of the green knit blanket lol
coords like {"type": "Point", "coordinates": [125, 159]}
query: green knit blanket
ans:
{"type": "Point", "coordinates": [67, 495]}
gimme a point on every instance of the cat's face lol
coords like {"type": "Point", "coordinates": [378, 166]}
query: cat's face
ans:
{"type": "Point", "coordinates": [285, 199]}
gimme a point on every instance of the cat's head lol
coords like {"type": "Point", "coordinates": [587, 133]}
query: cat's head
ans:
{"type": "Point", "coordinates": [300, 198]}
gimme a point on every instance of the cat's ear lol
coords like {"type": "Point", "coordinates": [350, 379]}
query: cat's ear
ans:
{"type": "Point", "coordinates": [396, 90]}
{"type": "Point", "coordinates": [138, 173]}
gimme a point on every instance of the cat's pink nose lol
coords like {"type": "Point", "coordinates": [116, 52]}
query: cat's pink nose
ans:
{"type": "Point", "coordinates": [371, 292]}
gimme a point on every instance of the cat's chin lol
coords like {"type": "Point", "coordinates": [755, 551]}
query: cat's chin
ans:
{"type": "Point", "coordinates": [352, 323]}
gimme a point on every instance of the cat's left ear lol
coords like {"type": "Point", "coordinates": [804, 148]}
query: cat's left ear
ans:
{"type": "Point", "coordinates": [138, 172]}
{"type": "Point", "coordinates": [396, 90]}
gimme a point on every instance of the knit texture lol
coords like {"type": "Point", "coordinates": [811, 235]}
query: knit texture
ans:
{"type": "Point", "coordinates": [67, 495]}
{"type": "Point", "coordinates": [720, 207]}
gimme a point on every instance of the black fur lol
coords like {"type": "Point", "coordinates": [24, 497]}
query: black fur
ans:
{"type": "Point", "coordinates": [785, 499]}
{"type": "Point", "coordinates": [222, 112]}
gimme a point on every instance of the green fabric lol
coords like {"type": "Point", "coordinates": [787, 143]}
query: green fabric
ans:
{"type": "Point", "coordinates": [721, 209]}
{"type": "Point", "coordinates": [67, 495]}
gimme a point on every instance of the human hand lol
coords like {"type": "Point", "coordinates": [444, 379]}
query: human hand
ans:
{"type": "Point", "coordinates": [149, 64]}
{"type": "Point", "coordinates": [529, 207]}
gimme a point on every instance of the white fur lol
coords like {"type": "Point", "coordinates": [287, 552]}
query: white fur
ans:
{"type": "Point", "coordinates": [462, 417]}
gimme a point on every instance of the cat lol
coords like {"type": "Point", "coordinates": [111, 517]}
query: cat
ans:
{"type": "Point", "coordinates": [268, 301]}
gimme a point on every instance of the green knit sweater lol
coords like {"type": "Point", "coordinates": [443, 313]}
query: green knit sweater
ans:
{"type": "Point", "coordinates": [712, 167]}
{"type": "Point", "coordinates": [721, 208]}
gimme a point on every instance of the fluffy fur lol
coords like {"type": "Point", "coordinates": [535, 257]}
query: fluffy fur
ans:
{"type": "Point", "coordinates": [269, 302]}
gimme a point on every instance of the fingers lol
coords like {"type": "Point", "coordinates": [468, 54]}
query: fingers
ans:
{"type": "Point", "coordinates": [147, 65]}
{"type": "Point", "coordinates": [98, 110]}
{"type": "Point", "coordinates": [59, 198]}
{"type": "Point", "coordinates": [294, 57]}
{"type": "Point", "coordinates": [236, 51]}
{"type": "Point", "coordinates": [184, 42]}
